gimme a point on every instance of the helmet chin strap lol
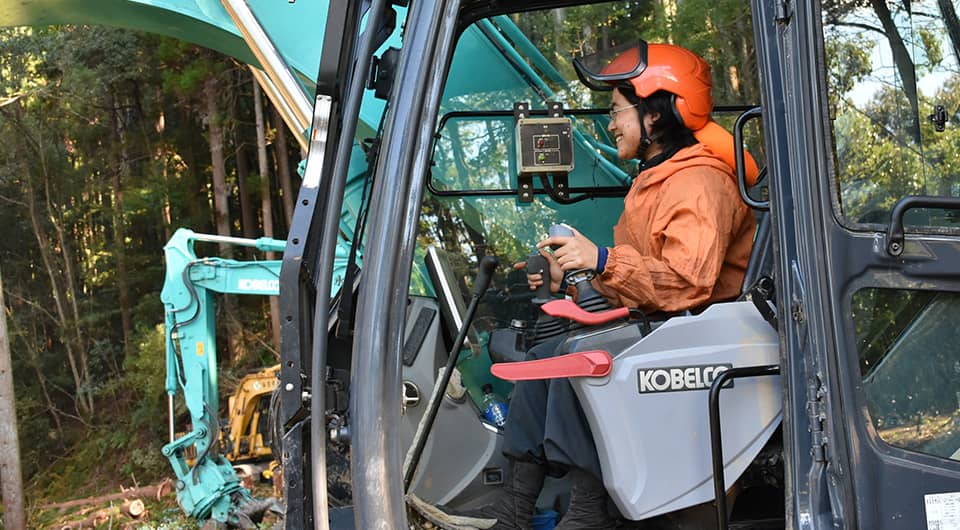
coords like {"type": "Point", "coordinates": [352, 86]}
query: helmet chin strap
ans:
{"type": "Point", "coordinates": [646, 140]}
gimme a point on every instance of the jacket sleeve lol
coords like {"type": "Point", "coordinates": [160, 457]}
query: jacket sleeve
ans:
{"type": "Point", "coordinates": [694, 223]}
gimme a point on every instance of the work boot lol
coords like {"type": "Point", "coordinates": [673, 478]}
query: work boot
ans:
{"type": "Point", "coordinates": [588, 504]}
{"type": "Point", "coordinates": [514, 505]}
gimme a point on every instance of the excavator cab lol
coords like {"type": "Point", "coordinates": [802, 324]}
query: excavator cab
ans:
{"type": "Point", "coordinates": [856, 252]}
{"type": "Point", "coordinates": [478, 199]}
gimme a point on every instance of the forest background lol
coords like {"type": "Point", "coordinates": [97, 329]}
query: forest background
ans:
{"type": "Point", "coordinates": [114, 139]}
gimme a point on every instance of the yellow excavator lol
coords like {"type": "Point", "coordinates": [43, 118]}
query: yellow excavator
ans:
{"type": "Point", "coordinates": [246, 436]}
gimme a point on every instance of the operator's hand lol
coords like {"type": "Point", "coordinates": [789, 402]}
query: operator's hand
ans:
{"type": "Point", "coordinates": [536, 280]}
{"type": "Point", "coordinates": [573, 252]}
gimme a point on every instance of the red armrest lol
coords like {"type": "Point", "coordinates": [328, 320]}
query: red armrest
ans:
{"type": "Point", "coordinates": [595, 363]}
{"type": "Point", "coordinates": [571, 311]}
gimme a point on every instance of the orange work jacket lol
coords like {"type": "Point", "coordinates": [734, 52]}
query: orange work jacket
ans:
{"type": "Point", "coordinates": [684, 238]}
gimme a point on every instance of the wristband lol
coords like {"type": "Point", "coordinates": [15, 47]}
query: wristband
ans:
{"type": "Point", "coordinates": [602, 253]}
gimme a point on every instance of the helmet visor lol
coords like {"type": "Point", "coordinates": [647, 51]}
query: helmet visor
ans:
{"type": "Point", "coordinates": [604, 69]}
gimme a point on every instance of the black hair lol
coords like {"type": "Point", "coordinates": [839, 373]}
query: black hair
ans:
{"type": "Point", "coordinates": [669, 128]}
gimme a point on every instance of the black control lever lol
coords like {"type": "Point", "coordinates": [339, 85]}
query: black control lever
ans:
{"type": "Point", "coordinates": [538, 264]}
{"type": "Point", "coordinates": [487, 266]}
{"type": "Point", "coordinates": [587, 297]}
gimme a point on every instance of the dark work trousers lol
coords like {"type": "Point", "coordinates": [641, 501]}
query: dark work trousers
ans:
{"type": "Point", "coordinates": [545, 423]}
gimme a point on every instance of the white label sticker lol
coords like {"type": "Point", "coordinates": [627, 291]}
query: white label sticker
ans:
{"type": "Point", "coordinates": [943, 511]}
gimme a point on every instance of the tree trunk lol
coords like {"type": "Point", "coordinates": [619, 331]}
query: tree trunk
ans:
{"type": "Point", "coordinates": [266, 204]}
{"type": "Point", "coordinates": [72, 323]}
{"type": "Point", "coordinates": [31, 352]}
{"type": "Point", "coordinates": [247, 216]}
{"type": "Point", "coordinates": [249, 225]}
{"type": "Point", "coordinates": [120, 174]}
{"type": "Point", "coordinates": [284, 175]}
{"type": "Point", "coordinates": [905, 67]}
{"type": "Point", "coordinates": [950, 20]}
{"type": "Point", "coordinates": [154, 492]}
{"type": "Point", "coordinates": [166, 215]}
{"type": "Point", "coordinates": [35, 145]}
{"type": "Point", "coordinates": [211, 92]}
{"type": "Point", "coordinates": [11, 485]}
{"type": "Point", "coordinates": [43, 241]}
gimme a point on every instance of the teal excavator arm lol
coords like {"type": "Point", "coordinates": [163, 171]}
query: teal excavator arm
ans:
{"type": "Point", "coordinates": [209, 489]}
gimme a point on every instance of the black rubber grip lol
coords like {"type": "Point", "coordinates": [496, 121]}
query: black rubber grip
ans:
{"type": "Point", "coordinates": [487, 265]}
{"type": "Point", "coordinates": [537, 264]}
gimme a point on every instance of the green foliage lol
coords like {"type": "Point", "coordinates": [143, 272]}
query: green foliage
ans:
{"type": "Point", "coordinates": [848, 63]}
{"type": "Point", "coordinates": [105, 145]}
{"type": "Point", "coordinates": [931, 45]}
{"type": "Point", "coordinates": [181, 77]}
{"type": "Point", "coordinates": [38, 437]}
{"type": "Point", "coordinates": [884, 149]}
{"type": "Point", "coordinates": [144, 374]}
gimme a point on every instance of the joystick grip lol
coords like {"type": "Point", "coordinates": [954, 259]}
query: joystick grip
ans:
{"type": "Point", "coordinates": [537, 264]}
{"type": "Point", "coordinates": [559, 230]}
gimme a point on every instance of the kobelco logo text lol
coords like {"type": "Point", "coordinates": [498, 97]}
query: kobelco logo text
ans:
{"type": "Point", "coordinates": [253, 284]}
{"type": "Point", "coordinates": [680, 378]}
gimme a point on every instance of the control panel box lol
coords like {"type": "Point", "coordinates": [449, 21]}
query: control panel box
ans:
{"type": "Point", "coordinates": [544, 145]}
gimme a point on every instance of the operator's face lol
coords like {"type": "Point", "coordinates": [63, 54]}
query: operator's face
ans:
{"type": "Point", "coordinates": [625, 126]}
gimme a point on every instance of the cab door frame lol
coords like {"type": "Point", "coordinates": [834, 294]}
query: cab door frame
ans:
{"type": "Point", "coordinates": [839, 474]}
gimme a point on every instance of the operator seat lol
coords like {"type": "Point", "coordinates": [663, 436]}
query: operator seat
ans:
{"type": "Point", "coordinates": [649, 413]}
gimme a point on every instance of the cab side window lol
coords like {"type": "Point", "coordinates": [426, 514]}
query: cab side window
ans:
{"type": "Point", "coordinates": [910, 364]}
{"type": "Point", "coordinates": [894, 92]}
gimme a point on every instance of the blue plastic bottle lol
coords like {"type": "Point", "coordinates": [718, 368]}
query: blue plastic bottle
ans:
{"type": "Point", "coordinates": [494, 407]}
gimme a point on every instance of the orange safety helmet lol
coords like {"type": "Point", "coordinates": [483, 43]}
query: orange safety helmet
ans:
{"type": "Point", "coordinates": [652, 67]}
{"type": "Point", "coordinates": [673, 69]}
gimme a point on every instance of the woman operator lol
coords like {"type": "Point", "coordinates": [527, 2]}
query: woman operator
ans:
{"type": "Point", "coordinates": [682, 242]}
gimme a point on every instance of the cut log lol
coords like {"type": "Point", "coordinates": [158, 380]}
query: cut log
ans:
{"type": "Point", "coordinates": [153, 492]}
{"type": "Point", "coordinates": [98, 517]}
{"type": "Point", "coordinates": [133, 508]}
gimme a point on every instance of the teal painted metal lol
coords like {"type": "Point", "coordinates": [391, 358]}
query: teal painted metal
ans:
{"type": "Point", "coordinates": [202, 22]}
{"type": "Point", "coordinates": [210, 488]}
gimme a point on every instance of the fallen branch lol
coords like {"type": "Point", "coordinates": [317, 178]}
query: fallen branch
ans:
{"type": "Point", "coordinates": [154, 492]}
